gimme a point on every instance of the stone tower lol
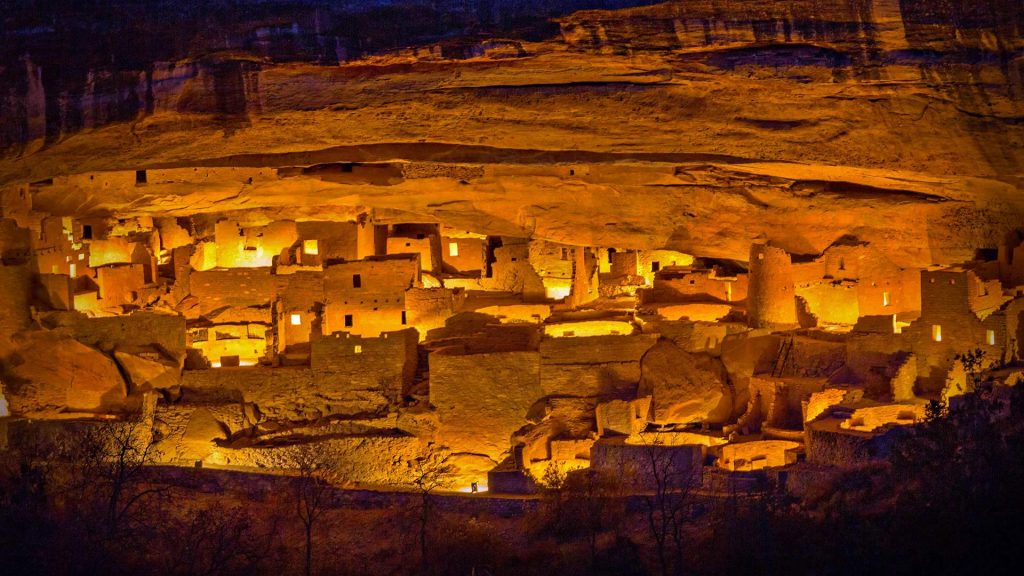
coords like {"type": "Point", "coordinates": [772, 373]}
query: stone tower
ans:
{"type": "Point", "coordinates": [771, 300]}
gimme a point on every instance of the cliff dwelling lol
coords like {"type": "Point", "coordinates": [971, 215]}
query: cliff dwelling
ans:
{"type": "Point", "coordinates": [578, 287]}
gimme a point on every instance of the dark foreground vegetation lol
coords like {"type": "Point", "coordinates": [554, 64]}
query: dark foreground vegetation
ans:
{"type": "Point", "coordinates": [947, 500]}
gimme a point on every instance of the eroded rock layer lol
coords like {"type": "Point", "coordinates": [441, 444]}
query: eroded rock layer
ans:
{"type": "Point", "coordinates": [697, 126]}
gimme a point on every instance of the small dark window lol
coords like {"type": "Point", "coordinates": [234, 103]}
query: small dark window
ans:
{"type": "Point", "coordinates": [565, 253]}
{"type": "Point", "coordinates": [87, 232]}
{"type": "Point", "coordinates": [357, 281]}
{"type": "Point", "coordinates": [140, 176]}
{"type": "Point", "coordinates": [348, 320]}
{"type": "Point", "coordinates": [403, 317]}
{"type": "Point", "coordinates": [572, 172]}
{"type": "Point", "coordinates": [346, 168]}
{"type": "Point", "coordinates": [655, 266]}
{"type": "Point", "coordinates": [611, 252]}
{"type": "Point", "coordinates": [419, 236]}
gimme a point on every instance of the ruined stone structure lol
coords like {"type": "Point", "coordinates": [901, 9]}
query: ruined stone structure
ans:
{"type": "Point", "coordinates": [740, 234]}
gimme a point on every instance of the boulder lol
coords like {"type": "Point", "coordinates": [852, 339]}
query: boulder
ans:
{"type": "Point", "coordinates": [685, 388]}
{"type": "Point", "coordinates": [73, 377]}
{"type": "Point", "coordinates": [148, 369]}
{"type": "Point", "coordinates": [622, 417]}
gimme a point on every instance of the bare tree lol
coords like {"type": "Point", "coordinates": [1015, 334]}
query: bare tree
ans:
{"type": "Point", "coordinates": [671, 475]}
{"type": "Point", "coordinates": [217, 540]}
{"type": "Point", "coordinates": [106, 466]}
{"type": "Point", "coordinates": [316, 472]}
{"type": "Point", "coordinates": [432, 472]}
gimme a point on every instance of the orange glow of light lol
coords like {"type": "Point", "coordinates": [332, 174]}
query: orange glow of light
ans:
{"type": "Point", "coordinates": [311, 247]}
{"type": "Point", "coordinates": [589, 328]}
{"type": "Point", "coordinates": [558, 292]}
{"type": "Point", "coordinates": [110, 251]}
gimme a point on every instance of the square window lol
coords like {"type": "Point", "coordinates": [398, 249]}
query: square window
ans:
{"type": "Point", "coordinates": [310, 247]}
{"type": "Point", "coordinates": [358, 349]}
{"type": "Point", "coordinates": [453, 248]}
{"type": "Point", "coordinates": [81, 256]}
{"type": "Point", "coordinates": [296, 319]}
{"type": "Point", "coordinates": [655, 266]}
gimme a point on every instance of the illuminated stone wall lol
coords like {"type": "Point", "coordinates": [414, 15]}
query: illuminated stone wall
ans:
{"type": "Point", "coordinates": [386, 364]}
{"type": "Point", "coordinates": [167, 331]}
{"type": "Point", "coordinates": [335, 240]}
{"type": "Point", "coordinates": [377, 304]}
{"type": "Point", "coordinates": [641, 466]}
{"type": "Point", "coordinates": [429, 308]}
{"type": "Point", "coordinates": [301, 297]}
{"type": "Point", "coordinates": [694, 285]}
{"type": "Point", "coordinates": [238, 287]}
{"type": "Point", "coordinates": [281, 395]}
{"type": "Point", "coordinates": [481, 399]}
{"type": "Point", "coordinates": [593, 366]}
{"type": "Point", "coordinates": [120, 284]}
{"type": "Point", "coordinates": [467, 256]}
{"type": "Point", "coordinates": [948, 326]}
{"type": "Point", "coordinates": [511, 272]}
{"type": "Point", "coordinates": [770, 298]}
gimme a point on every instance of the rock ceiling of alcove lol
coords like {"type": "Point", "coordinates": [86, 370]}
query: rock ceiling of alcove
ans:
{"type": "Point", "coordinates": [692, 125]}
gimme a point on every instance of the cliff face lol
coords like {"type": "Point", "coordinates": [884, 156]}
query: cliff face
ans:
{"type": "Point", "coordinates": [696, 125]}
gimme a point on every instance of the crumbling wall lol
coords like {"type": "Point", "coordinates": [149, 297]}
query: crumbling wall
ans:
{"type": "Point", "coordinates": [467, 255]}
{"type": "Point", "coordinates": [120, 284]}
{"type": "Point", "coordinates": [166, 331]}
{"type": "Point", "coordinates": [429, 308]}
{"type": "Point", "coordinates": [16, 287]}
{"type": "Point", "coordinates": [301, 294]}
{"type": "Point", "coordinates": [335, 240]}
{"type": "Point", "coordinates": [285, 394]}
{"type": "Point", "coordinates": [346, 361]}
{"type": "Point", "coordinates": [696, 285]}
{"type": "Point", "coordinates": [236, 287]}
